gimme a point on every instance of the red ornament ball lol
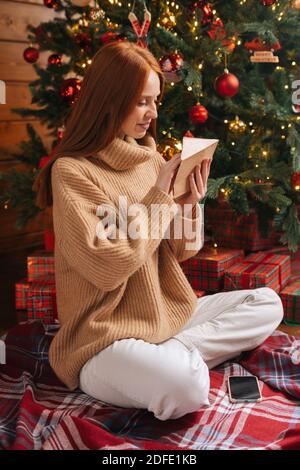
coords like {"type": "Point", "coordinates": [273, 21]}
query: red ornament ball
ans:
{"type": "Point", "coordinates": [31, 55]}
{"type": "Point", "coordinates": [171, 62]}
{"type": "Point", "coordinates": [198, 114]}
{"type": "Point", "coordinates": [189, 134]}
{"type": "Point", "coordinates": [51, 3]}
{"type": "Point", "coordinates": [44, 160]}
{"type": "Point", "coordinates": [60, 133]}
{"type": "Point", "coordinates": [295, 181]}
{"type": "Point", "coordinates": [227, 85]}
{"type": "Point", "coordinates": [207, 14]}
{"type": "Point", "coordinates": [69, 89]}
{"type": "Point", "coordinates": [268, 3]}
{"type": "Point", "coordinates": [83, 40]}
{"type": "Point", "coordinates": [40, 34]}
{"type": "Point", "coordinates": [54, 59]}
{"type": "Point", "coordinates": [107, 37]}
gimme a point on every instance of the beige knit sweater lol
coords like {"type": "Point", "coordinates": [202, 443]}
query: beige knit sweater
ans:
{"type": "Point", "coordinates": [110, 289]}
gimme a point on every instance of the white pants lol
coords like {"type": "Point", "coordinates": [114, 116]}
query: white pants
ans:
{"type": "Point", "coordinates": [171, 378]}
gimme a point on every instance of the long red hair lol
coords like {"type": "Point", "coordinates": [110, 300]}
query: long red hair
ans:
{"type": "Point", "coordinates": [109, 92]}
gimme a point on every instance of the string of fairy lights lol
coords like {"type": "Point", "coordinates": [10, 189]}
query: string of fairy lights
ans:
{"type": "Point", "coordinates": [170, 10]}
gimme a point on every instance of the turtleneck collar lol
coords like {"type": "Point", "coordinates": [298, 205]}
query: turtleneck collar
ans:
{"type": "Point", "coordinates": [124, 154]}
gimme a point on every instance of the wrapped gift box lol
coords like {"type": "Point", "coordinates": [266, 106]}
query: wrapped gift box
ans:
{"type": "Point", "coordinates": [205, 271]}
{"type": "Point", "coordinates": [41, 302]}
{"type": "Point", "coordinates": [21, 289]}
{"type": "Point", "coordinates": [40, 264]}
{"type": "Point", "coordinates": [282, 261]}
{"type": "Point", "coordinates": [290, 297]}
{"type": "Point", "coordinates": [238, 231]}
{"type": "Point", "coordinates": [247, 275]}
{"type": "Point", "coordinates": [22, 286]}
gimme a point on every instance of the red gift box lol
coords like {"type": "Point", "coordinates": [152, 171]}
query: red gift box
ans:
{"type": "Point", "coordinates": [21, 289]}
{"type": "Point", "coordinates": [205, 271]}
{"type": "Point", "coordinates": [22, 286]}
{"type": "Point", "coordinates": [282, 261]}
{"type": "Point", "coordinates": [232, 230]}
{"type": "Point", "coordinates": [290, 297]}
{"type": "Point", "coordinates": [40, 264]}
{"type": "Point", "coordinates": [41, 302]}
{"type": "Point", "coordinates": [247, 275]}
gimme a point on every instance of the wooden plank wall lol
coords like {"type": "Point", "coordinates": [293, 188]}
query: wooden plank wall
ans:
{"type": "Point", "coordinates": [16, 73]}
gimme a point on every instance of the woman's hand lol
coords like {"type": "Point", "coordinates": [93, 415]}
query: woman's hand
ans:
{"type": "Point", "coordinates": [167, 174]}
{"type": "Point", "coordinates": [198, 184]}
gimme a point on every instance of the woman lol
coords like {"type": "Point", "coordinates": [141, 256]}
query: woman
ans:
{"type": "Point", "coordinates": [133, 333]}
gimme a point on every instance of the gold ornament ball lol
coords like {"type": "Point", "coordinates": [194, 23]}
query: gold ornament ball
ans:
{"type": "Point", "coordinates": [96, 14]}
{"type": "Point", "coordinates": [168, 19]}
{"type": "Point", "coordinates": [169, 148]}
{"type": "Point", "coordinates": [237, 126]}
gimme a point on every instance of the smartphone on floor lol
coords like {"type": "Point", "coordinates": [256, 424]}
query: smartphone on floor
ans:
{"type": "Point", "coordinates": [243, 388]}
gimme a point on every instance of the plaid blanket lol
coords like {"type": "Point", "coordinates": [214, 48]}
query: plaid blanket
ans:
{"type": "Point", "coordinates": [38, 412]}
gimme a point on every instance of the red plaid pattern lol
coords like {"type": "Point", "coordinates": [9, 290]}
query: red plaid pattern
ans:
{"type": "Point", "coordinates": [290, 297]}
{"type": "Point", "coordinates": [205, 271]}
{"type": "Point", "coordinates": [40, 264]}
{"type": "Point", "coordinates": [246, 275]}
{"type": "Point", "coordinates": [238, 231]}
{"type": "Point", "coordinates": [21, 289]}
{"type": "Point", "coordinates": [22, 286]}
{"type": "Point", "coordinates": [282, 261]}
{"type": "Point", "coordinates": [38, 412]}
{"type": "Point", "coordinates": [41, 303]}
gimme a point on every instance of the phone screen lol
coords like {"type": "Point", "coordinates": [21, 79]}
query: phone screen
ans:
{"type": "Point", "coordinates": [244, 388]}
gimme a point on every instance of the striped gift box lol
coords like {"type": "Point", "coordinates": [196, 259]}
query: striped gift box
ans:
{"type": "Point", "coordinates": [290, 297]}
{"type": "Point", "coordinates": [41, 302]}
{"type": "Point", "coordinates": [282, 261]}
{"type": "Point", "coordinates": [205, 271]}
{"type": "Point", "coordinates": [246, 275]}
{"type": "Point", "coordinates": [40, 264]}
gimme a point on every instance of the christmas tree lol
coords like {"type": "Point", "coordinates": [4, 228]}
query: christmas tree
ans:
{"type": "Point", "coordinates": [230, 69]}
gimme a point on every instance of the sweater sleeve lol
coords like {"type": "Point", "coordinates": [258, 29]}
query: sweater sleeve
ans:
{"type": "Point", "coordinates": [187, 233]}
{"type": "Point", "coordinates": [103, 258]}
